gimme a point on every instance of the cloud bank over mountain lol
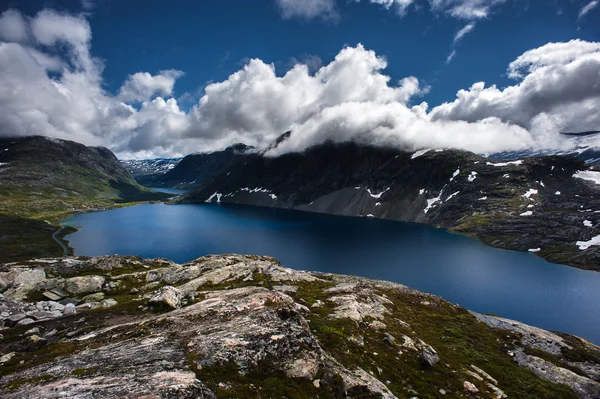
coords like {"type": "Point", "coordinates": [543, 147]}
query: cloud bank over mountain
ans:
{"type": "Point", "coordinates": [52, 85]}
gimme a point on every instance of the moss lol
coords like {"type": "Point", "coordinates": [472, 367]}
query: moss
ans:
{"type": "Point", "coordinates": [16, 384]}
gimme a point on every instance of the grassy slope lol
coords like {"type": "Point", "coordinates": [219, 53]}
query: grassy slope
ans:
{"type": "Point", "coordinates": [45, 181]}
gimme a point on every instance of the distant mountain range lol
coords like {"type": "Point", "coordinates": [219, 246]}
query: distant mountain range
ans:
{"type": "Point", "coordinates": [524, 201]}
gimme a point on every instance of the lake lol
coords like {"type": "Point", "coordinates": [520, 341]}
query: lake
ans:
{"type": "Point", "coordinates": [511, 284]}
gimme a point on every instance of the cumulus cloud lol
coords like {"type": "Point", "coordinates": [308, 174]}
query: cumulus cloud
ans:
{"type": "Point", "coordinates": [142, 86]}
{"type": "Point", "coordinates": [308, 9]}
{"type": "Point", "coordinates": [51, 85]}
{"type": "Point", "coordinates": [558, 89]}
{"type": "Point", "coordinates": [587, 8]}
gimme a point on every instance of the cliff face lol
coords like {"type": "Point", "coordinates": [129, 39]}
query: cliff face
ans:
{"type": "Point", "coordinates": [537, 203]}
{"type": "Point", "coordinates": [234, 326]}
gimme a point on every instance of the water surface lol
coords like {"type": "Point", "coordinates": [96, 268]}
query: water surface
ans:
{"type": "Point", "coordinates": [516, 285]}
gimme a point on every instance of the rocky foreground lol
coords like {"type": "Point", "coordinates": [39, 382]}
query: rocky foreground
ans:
{"type": "Point", "coordinates": [234, 326]}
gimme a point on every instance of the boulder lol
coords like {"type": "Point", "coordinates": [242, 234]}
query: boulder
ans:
{"type": "Point", "coordinates": [84, 284]}
{"type": "Point", "coordinates": [25, 321]}
{"type": "Point", "coordinates": [428, 357]}
{"type": "Point", "coordinates": [167, 296]}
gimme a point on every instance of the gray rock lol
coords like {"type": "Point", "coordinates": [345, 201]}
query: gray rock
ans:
{"type": "Point", "coordinates": [167, 296]}
{"type": "Point", "coordinates": [84, 284]}
{"type": "Point", "coordinates": [107, 303]}
{"type": "Point", "coordinates": [25, 321]}
{"type": "Point", "coordinates": [15, 318]}
{"type": "Point", "coordinates": [34, 330]}
{"type": "Point", "coordinates": [45, 315]}
{"type": "Point", "coordinates": [69, 309]}
{"type": "Point", "coordinates": [389, 339]}
{"type": "Point", "coordinates": [428, 357]}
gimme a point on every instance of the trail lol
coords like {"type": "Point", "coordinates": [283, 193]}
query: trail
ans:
{"type": "Point", "coordinates": [63, 246]}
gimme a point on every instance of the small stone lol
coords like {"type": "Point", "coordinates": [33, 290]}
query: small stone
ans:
{"type": "Point", "coordinates": [69, 309]}
{"type": "Point", "coordinates": [24, 322]}
{"type": "Point", "coordinates": [442, 392]}
{"type": "Point", "coordinates": [51, 333]}
{"type": "Point", "coordinates": [107, 303]}
{"type": "Point", "coordinates": [4, 314]}
{"type": "Point", "coordinates": [35, 330]}
{"type": "Point", "coordinates": [389, 339]}
{"type": "Point", "coordinates": [317, 383]}
{"type": "Point", "coordinates": [469, 387]}
{"type": "Point", "coordinates": [51, 295]}
{"type": "Point", "coordinates": [7, 357]}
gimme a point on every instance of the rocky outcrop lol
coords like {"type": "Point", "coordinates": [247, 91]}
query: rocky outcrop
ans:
{"type": "Point", "coordinates": [236, 326]}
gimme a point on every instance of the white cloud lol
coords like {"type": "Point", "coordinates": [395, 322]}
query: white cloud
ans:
{"type": "Point", "coordinates": [463, 31]}
{"type": "Point", "coordinates": [587, 8]}
{"type": "Point", "coordinates": [558, 89]}
{"type": "Point", "coordinates": [142, 86]}
{"type": "Point", "coordinates": [350, 98]}
{"type": "Point", "coordinates": [308, 9]}
{"type": "Point", "coordinates": [465, 9]}
{"type": "Point", "coordinates": [450, 57]}
{"type": "Point", "coordinates": [13, 27]}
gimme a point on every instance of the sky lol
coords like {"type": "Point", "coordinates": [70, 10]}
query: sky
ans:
{"type": "Point", "coordinates": [172, 78]}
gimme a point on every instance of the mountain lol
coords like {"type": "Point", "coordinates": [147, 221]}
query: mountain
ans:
{"type": "Point", "coordinates": [534, 204]}
{"type": "Point", "coordinates": [145, 167]}
{"type": "Point", "coordinates": [233, 326]}
{"type": "Point", "coordinates": [44, 180]}
{"type": "Point", "coordinates": [194, 169]}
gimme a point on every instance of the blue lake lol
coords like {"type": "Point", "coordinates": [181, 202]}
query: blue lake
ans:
{"type": "Point", "coordinates": [516, 285]}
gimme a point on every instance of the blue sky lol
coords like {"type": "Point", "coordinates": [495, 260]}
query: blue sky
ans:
{"type": "Point", "coordinates": [210, 40]}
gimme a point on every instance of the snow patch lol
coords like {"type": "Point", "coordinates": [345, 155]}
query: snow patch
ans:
{"type": "Point", "coordinates": [557, 193]}
{"type": "Point", "coordinates": [535, 249]}
{"type": "Point", "coordinates": [483, 198]}
{"type": "Point", "coordinates": [218, 195]}
{"type": "Point", "coordinates": [588, 175]}
{"type": "Point", "coordinates": [273, 196]}
{"type": "Point", "coordinates": [588, 223]}
{"type": "Point", "coordinates": [528, 213]}
{"type": "Point", "coordinates": [529, 193]}
{"type": "Point", "coordinates": [456, 172]}
{"type": "Point", "coordinates": [586, 244]}
{"type": "Point", "coordinates": [472, 176]}
{"type": "Point", "coordinates": [431, 202]}
{"type": "Point", "coordinates": [519, 162]}
{"type": "Point", "coordinates": [370, 215]}
{"type": "Point", "coordinates": [452, 196]}
{"type": "Point", "coordinates": [377, 195]}
{"type": "Point", "coordinates": [422, 191]}
{"type": "Point", "coordinates": [378, 204]}
{"type": "Point", "coordinates": [419, 153]}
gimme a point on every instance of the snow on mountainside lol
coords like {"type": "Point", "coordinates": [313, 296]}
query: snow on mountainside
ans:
{"type": "Point", "coordinates": [145, 167]}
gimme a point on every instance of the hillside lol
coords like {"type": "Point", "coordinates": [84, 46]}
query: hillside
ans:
{"type": "Point", "coordinates": [531, 204]}
{"type": "Point", "coordinates": [44, 180]}
{"type": "Point", "coordinates": [232, 326]}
